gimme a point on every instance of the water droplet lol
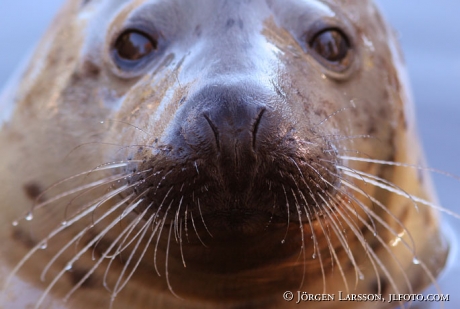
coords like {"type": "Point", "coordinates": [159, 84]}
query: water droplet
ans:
{"type": "Point", "coordinates": [313, 256]}
{"type": "Point", "coordinates": [64, 223]}
{"type": "Point", "coordinates": [15, 223]}
{"type": "Point", "coordinates": [29, 216]}
{"type": "Point", "coordinates": [68, 266]}
{"type": "Point", "coordinates": [361, 276]}
{"type": "Point", "coordinates": [415, 261]}
{"type": "Point", "coordinates": [283, 241]}
{"type": "Point", "coordinates": [102, 122]}
{"type": "Point", "coordinates": [375, 234]}
{"type": "Point", "coordinates": [44, 245]}
{"type": "Point", "coordinates": [323, 76]}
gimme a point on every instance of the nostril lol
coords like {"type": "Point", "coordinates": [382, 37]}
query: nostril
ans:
{"type": "Point", "coordinates": [256, 127]}
{"type": "Point", "coordinates": [214, 129]}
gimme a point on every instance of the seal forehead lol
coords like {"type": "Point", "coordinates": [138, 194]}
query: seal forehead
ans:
{"type": "Point", "coordinates": [311, 5]}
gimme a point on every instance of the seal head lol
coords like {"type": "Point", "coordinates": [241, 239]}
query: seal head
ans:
{"type": "Point", "coordinates": [220, 152]}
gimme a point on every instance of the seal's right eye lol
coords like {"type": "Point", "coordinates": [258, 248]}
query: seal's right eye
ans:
{"type": "Point", "coordinates": [132, 46]}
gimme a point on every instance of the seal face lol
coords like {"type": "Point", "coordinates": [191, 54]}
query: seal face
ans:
{"type": "Point", "coordinates": [214, 154]}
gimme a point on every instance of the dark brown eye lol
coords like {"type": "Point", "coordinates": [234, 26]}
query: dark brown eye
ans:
{"type": "Point", "coordinates": [331, 44]}
{"type": "Point", "coordinates": [133, 45]}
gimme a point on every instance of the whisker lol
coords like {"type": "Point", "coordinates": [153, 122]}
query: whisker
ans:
{"type": "Point", "coordinates": [167, 264]}
{"type": "Point", "coordinates": [316, 250]}
{"type": "Point", "coordinates": [185, 223]}
{"type": "Point", "coordinates": [105, 144]}
{"type": "Point", "coordinates": [332, 251]}
{"type": "Point", "coordinates": [53, 233]}
{"type": "Point", "coordinates": [302, 235]}
{"type": "Point", "coordinates": [401, 164]}
{"type": "Point", "coordinates": [202, 218]}
{"type": "Point", "coordinates": [126, 232]}
{"type": "Point", "coordinates": [407, 195]}
{"type": "Point", "coordinates": [147, 245]}
{"type": "Point", "coordinates": [288, 215]}
{"type": "Point", "coordinates": [70, 192]}
{"type": "Point", "coordinates": [78, 255]}
{"type": "Point", "coordinates": [196, 231]}
{"type": "Point", "coordinates": [161, 229]}
{"type": "Point", "coordinates": [343, 241]}
{"type": "Point", "coordinates": [390, 252]}
{"type": "Point", "coordinates": [331, 185]}
{"type": "Point", "coordinates": [383, 223]}
{"type": "Point", "coordinates": [86, 190]}
{"type": "Point", "coordinates": [339, 137]}
{"type": "Point", "coordinates": [312, 195]}
{"type": "Point", "coordinates": [180, 244]}
{"type": "Point", "coordinates": [106, 252]}
{"type": "Point", "coordinates": [161, 225]}
{"type": "Point", "coordinates": [144, 230]}
{"type": "Point", "coordinates": [129, 124]}
{"type": "Point", "coordinates": [176, 219]}
{"type": "Point", "coordinates": [365, 176]}
{"type": "Point", "coordinates": [341, 110]}
{"type": "Point", "coordinates": [79, 235]}
{"type": "Point", "coordinates": [123, 247]}
{"type": "Point", "coordinates": [369, 250]}
{"type": "Point", "coordinates": [359, 237]}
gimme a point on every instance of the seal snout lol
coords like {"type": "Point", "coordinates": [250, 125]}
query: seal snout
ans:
{"type": "Point", "coordinates": [231, 152]}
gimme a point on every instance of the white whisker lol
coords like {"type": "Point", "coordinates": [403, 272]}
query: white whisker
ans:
{"type": "Point", "coordinates": [104, 255]}
{"type": "Point", "coordinates": [202, 218]}
{"type": "Point", "coordinates": [196, 231]}
{"type": "Point", "coordinates": [392, 163]}
{"type": "Point", "coordinates": [332, 251]}
{"type": "Point", "coordinates": [407, 195]}
{"type": "Point", "coordinates": [79, 254]}
{"type": "Point", "coordinates": [167, 264]}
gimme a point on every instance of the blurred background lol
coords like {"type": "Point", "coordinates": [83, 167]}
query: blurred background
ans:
{"type": "Point", "coordinates": [429, 32]}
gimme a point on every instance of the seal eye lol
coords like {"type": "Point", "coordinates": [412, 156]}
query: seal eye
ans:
{"type": "Point", "coordinates": [133, 45]}
{"type": "Point", "coordinates": [331, 44]}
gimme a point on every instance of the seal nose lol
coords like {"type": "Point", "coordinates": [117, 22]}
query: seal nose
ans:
{"type": "Point", "coordinates": [234, 127]}
{"type": "Point", "coordinates": [227, 121]}
{"type": "Point", "coordinates": [226, 126]}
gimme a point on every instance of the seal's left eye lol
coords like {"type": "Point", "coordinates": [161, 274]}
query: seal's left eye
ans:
{"type": "Point", "coordinates": [331, 44]}
{"type": "Point", "coordinates": [134, 45]}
